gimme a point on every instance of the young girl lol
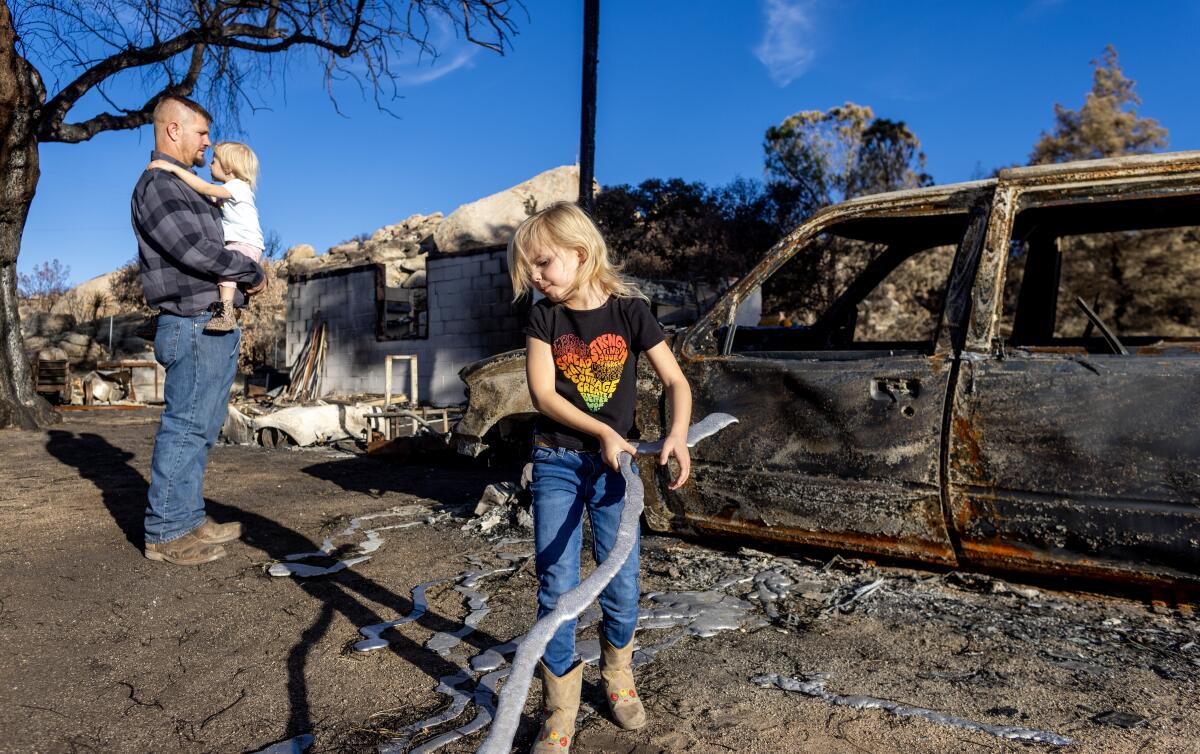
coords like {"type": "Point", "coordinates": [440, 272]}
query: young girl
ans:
{"type": "Point", "coordinates": [236, 167]}
{"type": "Point", "coordinates": [582, 344]}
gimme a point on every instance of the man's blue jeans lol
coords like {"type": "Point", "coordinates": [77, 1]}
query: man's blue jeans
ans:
{"type": "Point", "coordinates": [564, 483]}
{"type": "Point", "coordinates": [200, 369]}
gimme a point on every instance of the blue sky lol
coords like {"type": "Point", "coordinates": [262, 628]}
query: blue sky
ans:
{"type": "Point", "coordinates": [686, 89]}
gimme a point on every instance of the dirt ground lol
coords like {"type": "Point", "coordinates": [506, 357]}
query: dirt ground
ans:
{"type": "Point", "coordinates": [105, 651]}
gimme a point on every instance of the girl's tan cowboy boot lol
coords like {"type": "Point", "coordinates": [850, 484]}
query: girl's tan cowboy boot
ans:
{"type": "Point", "coordinates": [560, 697]}
{"type": "Point", "coordinates": [617, 672]}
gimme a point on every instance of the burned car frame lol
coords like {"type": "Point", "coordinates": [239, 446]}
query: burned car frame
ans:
{"type": "Point", "coordinates": [1003, 423]}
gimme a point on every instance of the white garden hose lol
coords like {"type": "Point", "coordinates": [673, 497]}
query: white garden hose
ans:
{"type": "Point", "coordinates": [574, 602]}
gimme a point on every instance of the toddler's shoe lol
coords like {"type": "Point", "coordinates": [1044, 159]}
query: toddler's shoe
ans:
{"type": "Point", "coordinates": [222, 319]}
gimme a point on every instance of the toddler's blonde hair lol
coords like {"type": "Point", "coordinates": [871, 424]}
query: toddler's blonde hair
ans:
{"type": "Point", "coordinates": [565, 226]}
{"type": "Point", "coordinates": [238, 159]}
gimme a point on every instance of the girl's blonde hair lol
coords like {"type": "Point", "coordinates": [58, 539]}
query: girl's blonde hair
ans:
{"type": "Point", "coordinates": [565, 226]}
{"type": "Point", "coordinates": [239, 160]}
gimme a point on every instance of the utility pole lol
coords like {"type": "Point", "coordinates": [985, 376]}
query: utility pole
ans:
{"type": "Point", "coordinates": [587, 120]}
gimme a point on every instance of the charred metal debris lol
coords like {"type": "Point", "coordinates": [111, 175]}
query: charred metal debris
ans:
{"type": "Point", "coordinates": [987, 642]}
{"type": "Point", "coordinates": [941, 395]}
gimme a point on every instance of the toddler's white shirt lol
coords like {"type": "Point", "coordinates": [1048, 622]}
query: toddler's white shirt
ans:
{"type": "Point", "coordinates": [239, 215]}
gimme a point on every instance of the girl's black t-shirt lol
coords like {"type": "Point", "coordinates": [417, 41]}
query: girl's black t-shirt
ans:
{"type": "Point", "coordinates": [595, 362]}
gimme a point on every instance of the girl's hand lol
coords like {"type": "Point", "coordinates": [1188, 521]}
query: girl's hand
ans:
{"type": "Point", "coordinates": [611, 445]}
{"type": "Point", "coordinates": [162, 165]}
{"type": "Point", "coordinates": [677, 445]}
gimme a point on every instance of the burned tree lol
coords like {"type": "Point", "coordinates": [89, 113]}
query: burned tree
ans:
{"type": "Point", "coordinates": [215, 48]}
{"type": "Point", "coordinates": [1137, 281]}
{"type": "Point", "coordinates": [1107, 125]}
{"type": "Point", "coordinates": [46, 285]}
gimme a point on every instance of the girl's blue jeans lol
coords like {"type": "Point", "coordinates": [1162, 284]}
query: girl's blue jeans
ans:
{"type": "Point", "coordinates": [565, 482]}
{"type": "Point", "coordinates": [200, 368]}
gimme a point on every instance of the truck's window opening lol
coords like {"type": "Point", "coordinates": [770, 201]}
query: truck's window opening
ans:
{"type": "Point", "coordinates": [1134, 262]}
{"type": "Point", "coordinates": [869, 284]}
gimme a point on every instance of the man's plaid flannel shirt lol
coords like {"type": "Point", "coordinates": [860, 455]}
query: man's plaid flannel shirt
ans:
{"type": "Point", "coordinates": [181, 246]}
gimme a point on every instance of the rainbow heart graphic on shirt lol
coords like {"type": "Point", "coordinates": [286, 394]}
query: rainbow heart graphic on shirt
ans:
{"type": "Point", "coordinates": [594, 367]}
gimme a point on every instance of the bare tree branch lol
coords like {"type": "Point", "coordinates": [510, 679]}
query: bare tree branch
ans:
{"type": "Point", "coordinates": [228, 45]}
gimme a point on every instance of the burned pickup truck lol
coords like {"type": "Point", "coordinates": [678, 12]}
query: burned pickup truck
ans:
{"type": "Point", "coordinates": [1001, 374]}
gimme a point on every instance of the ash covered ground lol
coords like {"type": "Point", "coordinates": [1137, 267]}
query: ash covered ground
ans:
{"type": "Point", "coordinates": [105, 651]}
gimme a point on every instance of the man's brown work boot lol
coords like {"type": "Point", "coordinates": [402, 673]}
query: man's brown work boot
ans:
{"type": "Point", "coordinates": [222, 318]}
{"type": "Point", "coordinates": [212, 533]}
{"type": "Point", "coordinates": [560, 698]}
{"type": "Point", "coordinates": [186, 550]}
{"type": "Point", "coordinates": [616, 668]}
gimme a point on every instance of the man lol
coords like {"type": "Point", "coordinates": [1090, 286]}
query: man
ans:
{"type": "Point", "coordinates": [182, 253]}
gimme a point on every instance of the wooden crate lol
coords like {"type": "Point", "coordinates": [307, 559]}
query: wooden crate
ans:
{"type": "Point", "coordinates": [52, 378]}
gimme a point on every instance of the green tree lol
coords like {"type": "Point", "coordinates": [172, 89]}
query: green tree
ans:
{"type": "Point", "coordinates": [1107, 125]}
{"type": "Point", "coordinates": [816, 158]}
{"type": "Point", "coordinates": [129, 54]}
{"type": "Point", "coordinates": [673, 229]}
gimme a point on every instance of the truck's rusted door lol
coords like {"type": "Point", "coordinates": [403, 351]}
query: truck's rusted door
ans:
{"type": "Point", "coordinates": [1065, 457]}
{"type": "Point", "coordinates": [837, 447]}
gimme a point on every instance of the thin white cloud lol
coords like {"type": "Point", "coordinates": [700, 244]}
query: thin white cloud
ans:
{"type": "Point", "coordinates": [454, 53]}
{"type": "Point", "coordinates": [786, 48]}
{"type": "Point", "coordinates": [443, 65]}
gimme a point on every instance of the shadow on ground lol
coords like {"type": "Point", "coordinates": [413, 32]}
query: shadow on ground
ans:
{"type": "Point", "coordinates": [124, 491]}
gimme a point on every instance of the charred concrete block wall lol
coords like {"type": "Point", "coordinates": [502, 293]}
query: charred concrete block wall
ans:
{"type": "Point", "coordinates": [470, 317]}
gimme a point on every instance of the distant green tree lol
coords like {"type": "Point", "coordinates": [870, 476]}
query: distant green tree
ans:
{"type": "Point", "coordinates": [816, 158]}
{"type": "Point", "coordinates": [1107, 125]}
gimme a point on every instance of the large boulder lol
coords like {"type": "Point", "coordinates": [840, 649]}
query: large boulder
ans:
{"type": "Point", "coordinates": [403, 243]}
{"type": "Point", "coordinates": [299, 252]}
{"type": "Point", "coordinates": [92, 298]}
{"type": "Point", "coordinates": [52, 354]}
{"type": "Point", "coordinates": [395, 249]}
{"type": "Point", "coordinates": [415, 280]}
{"type": "Point", "coordinates": [46, 324]}
{"type": "Point", "coordinates": [96, 352]}
{"type": "Point", "coordinates": [492, 220]}
{"type": "Point", "coordinates": [35, 343]}
{"type": "Point", "coordinates": [414, 228]}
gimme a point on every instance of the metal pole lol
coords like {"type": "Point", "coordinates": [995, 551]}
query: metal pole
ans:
{"type": "Point", "coordinates": [412, 381]}
{"type": "Point", "coordinates": [587, 120]}
{"type": "Point", "coordinates": [387, 381]}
